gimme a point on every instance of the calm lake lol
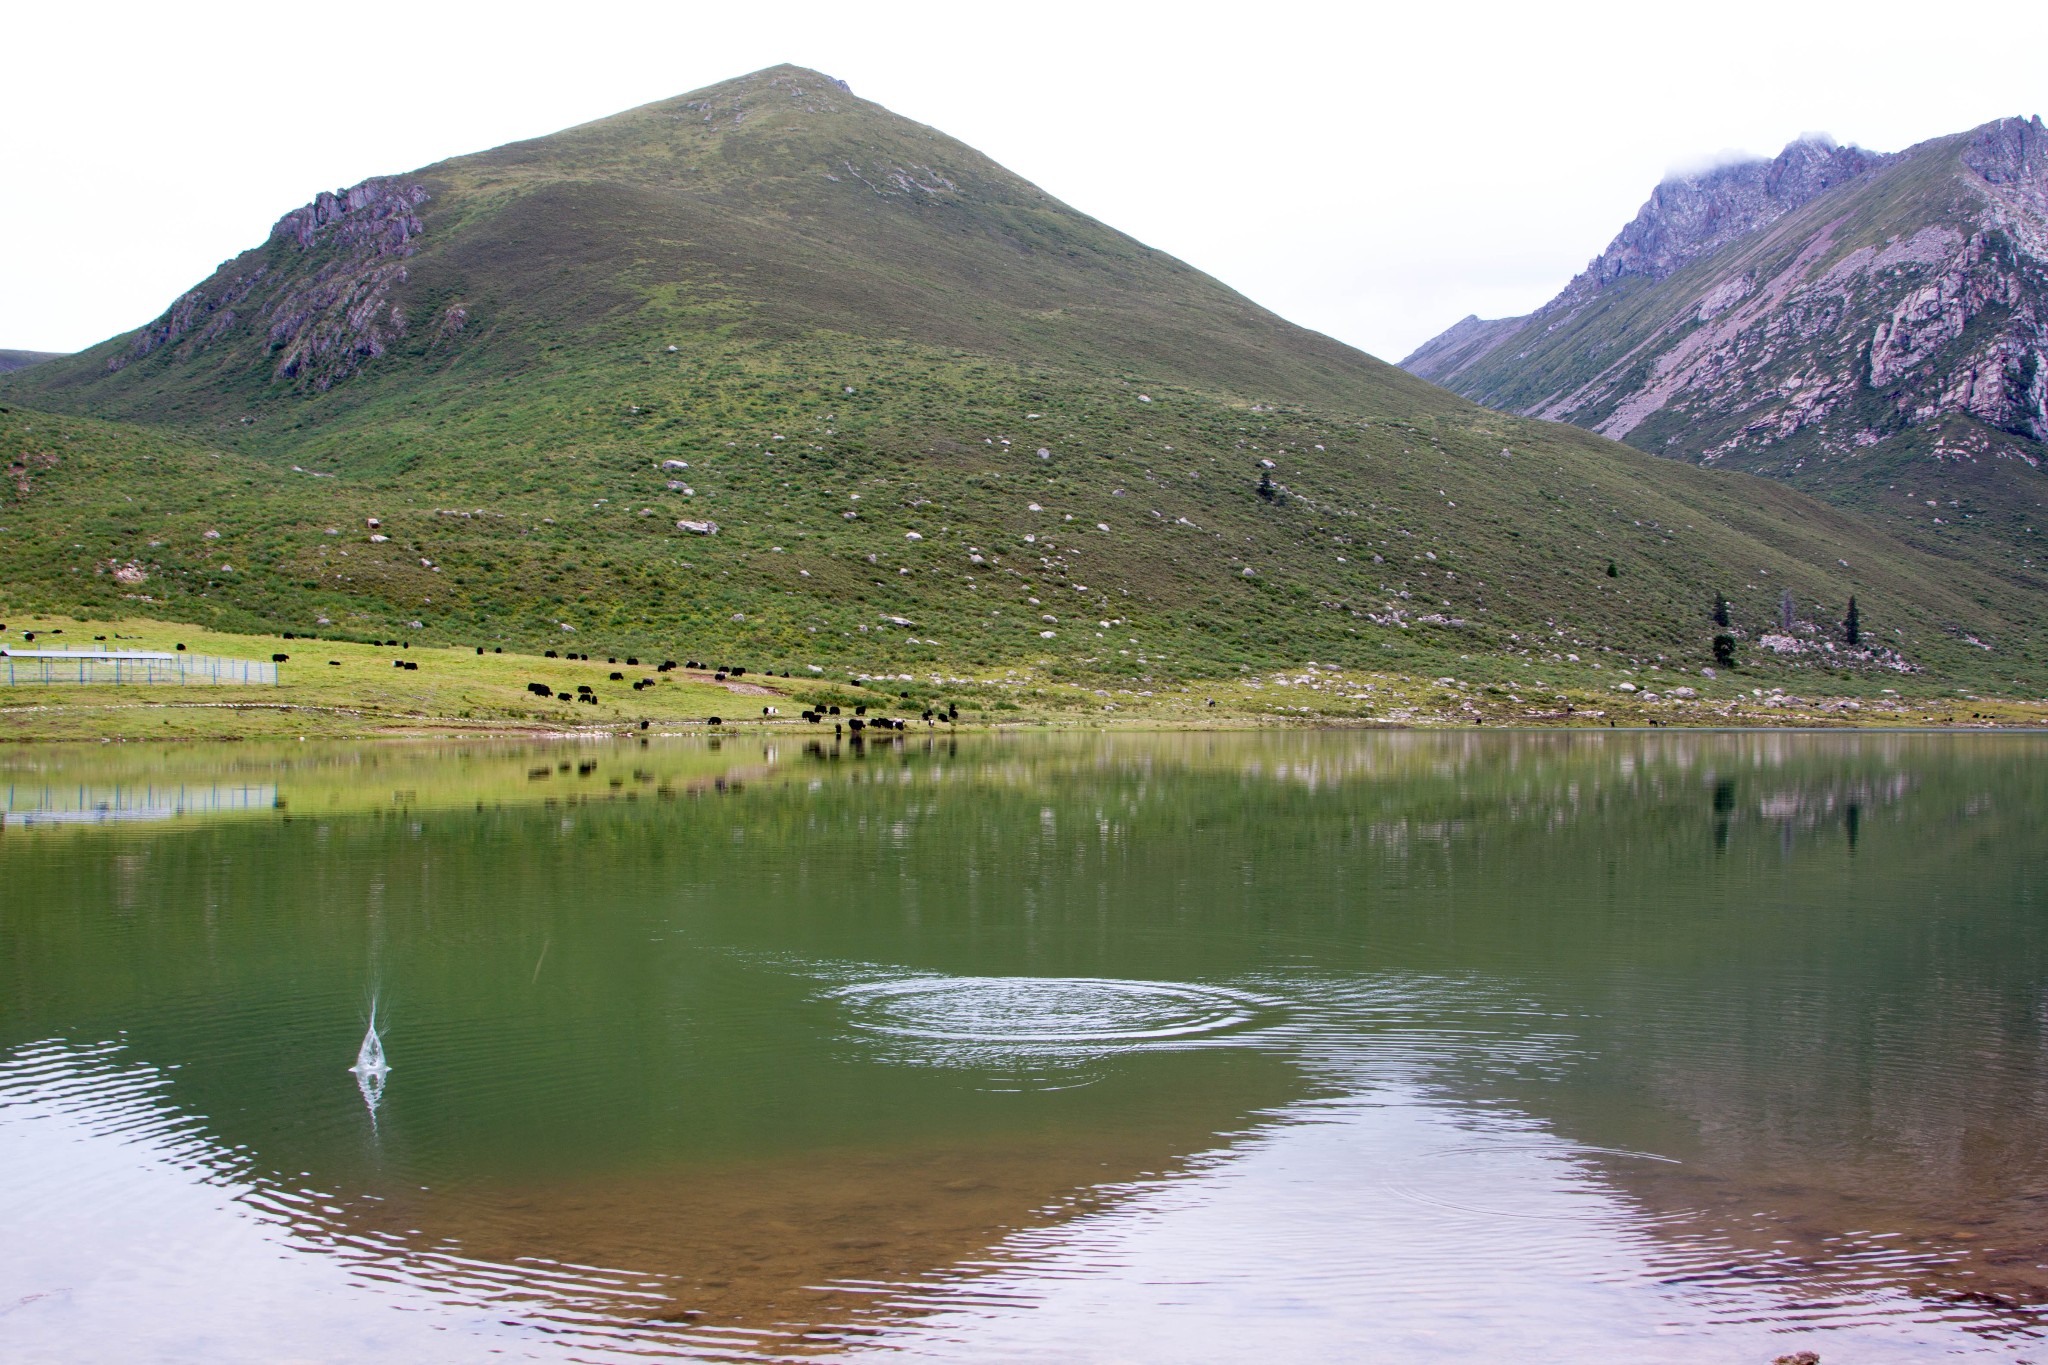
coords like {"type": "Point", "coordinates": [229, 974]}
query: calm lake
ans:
{"type": "Point", "coordinates": [1215, 1047]}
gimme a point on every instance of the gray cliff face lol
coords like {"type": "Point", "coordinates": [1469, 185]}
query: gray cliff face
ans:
{"type": "Point", "coordinates": [318, 294]}
{"type": "Point", "coordinates": [1814, 307]}
{"type": "Point", "coordinates": [326, 324]}
{"type": "Point", "coordinates": [2012, 154]}
{"type": "Point", "coordinates": [1693, 216]}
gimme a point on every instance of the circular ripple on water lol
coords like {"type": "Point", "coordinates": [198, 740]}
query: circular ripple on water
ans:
{"type": "Point", "coordinates": [1047, 1013]}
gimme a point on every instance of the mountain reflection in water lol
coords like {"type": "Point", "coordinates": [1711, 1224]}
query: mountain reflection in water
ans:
{"type": "Point", "coordinates": [1677, 1047]}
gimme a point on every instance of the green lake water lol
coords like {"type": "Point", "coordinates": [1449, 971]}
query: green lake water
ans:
{"type": "Point", "coordinates": [1215, 1047]}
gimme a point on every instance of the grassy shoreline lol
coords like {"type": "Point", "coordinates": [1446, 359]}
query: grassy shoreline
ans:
{"type": "Point", "coordinates": [332, 689]}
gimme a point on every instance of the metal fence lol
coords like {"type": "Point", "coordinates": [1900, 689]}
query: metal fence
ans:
{"type": "Point", "coordinates": [38, 667]}
{"type": "Point", "coordinates": [27, 803]}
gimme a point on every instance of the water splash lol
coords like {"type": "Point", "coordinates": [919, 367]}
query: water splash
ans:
{"type": "Point", "coordinates": [371, 1069]}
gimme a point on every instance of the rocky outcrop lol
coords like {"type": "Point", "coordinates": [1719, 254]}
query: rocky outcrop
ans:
{"type": "Point", "coordinates": [2002, 380]}
{"type": "Point", "coordinates": [1831, 299]}
{"type": "Point", "coordinates": [379, 215]}
{"type": "Point", "coordinates": [326, 323]}
{"type": "Point", "coordinates": [2011, 156]}
{"type": "Point", "coordinates": [208, 311]}
{"type": "Point", "coordinates": [319, 295]}
{"type": "Point", "coordinates": [1688, 217]}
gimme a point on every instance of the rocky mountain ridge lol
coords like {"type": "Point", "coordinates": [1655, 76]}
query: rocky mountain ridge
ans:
{"type": "Point", "coordinates": [1691, 216]}
{"type": "Point", "coordinates": [1821, 317]}
{"type": "Point", "coordinates": [1685, 217]}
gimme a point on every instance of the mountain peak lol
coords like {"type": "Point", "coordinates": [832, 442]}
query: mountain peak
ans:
{"type": "Point", "coordinates": [784, 82]}
{"type": "Point", "coordinates": [772, 204]}
{"type": "Point", "coordinates": [1689, 216]}
{"type": "Point", "coordinates": [2011, 154]}
{"type": "Point", "coordinates": [787, 70]}
{"type": "Point", "coordinates": [741, 138]}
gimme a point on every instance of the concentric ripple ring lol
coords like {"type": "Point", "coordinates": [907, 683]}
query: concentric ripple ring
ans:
{"type": "Point", "coordinates": [1046, 1011]}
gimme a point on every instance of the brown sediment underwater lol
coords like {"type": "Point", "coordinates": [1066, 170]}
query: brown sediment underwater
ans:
{"type": "Point", "coordinates": [819, 1241]}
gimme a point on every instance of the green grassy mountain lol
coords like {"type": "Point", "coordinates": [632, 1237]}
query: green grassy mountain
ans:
{"type": "Point", "coordinates": [767, 209]}
{"type": "Point", "coordinates": [21, 360]}
{"type": "Point", "coordinates": [939, 421]}
{"type": "Point", "coordinates": [1872, 328]}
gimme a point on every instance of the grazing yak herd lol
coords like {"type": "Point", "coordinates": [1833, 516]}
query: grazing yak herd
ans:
{"type": "Point", "coordinates": [858, 722]}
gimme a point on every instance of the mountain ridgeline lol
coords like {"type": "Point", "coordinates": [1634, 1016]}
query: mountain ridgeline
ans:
{"type": "Point", "coordinates": [1871, 327]}
{"type": "Point", "coordinates": [21, 360]}
{"type": "Point", "coordinates": [770, 208]}
{"type": "Point", "coordinates": [767, 372]}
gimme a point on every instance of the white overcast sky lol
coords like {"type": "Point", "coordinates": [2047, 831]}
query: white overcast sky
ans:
{"type": "Point", "coordinates": [1372, 171]}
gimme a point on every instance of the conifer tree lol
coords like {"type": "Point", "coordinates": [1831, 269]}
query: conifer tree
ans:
{"type": "Point", "coordinates": [1852, 628]}
{"type": "Point", "coordinates": [1721, 610]}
